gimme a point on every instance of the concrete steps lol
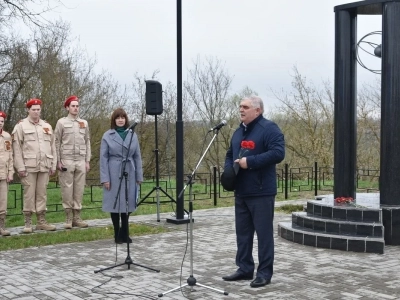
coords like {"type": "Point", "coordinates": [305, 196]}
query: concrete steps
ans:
{"type": "Point", "coordinates": [340, 227]}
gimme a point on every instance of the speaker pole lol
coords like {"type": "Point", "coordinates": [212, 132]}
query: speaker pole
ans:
{"type": "Point", "coordinates": [179, 122]}
{"type": "Point", "coordinates": [154, 106]}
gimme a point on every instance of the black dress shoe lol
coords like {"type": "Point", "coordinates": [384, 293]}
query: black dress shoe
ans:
{"type": "Point", "coordinates": [122, 239]}
{"type": "Point", "coordinates": [259, 281]}
{"type": "Point", "coordinates": [238, 276]}
{"type": "Point", "coordinates": [129, 240]}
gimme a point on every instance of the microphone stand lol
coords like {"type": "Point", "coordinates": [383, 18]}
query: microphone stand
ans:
{"type": "Point", "coordinates": [128, 260]}
{"type": "Point", "coordinates": [191, 281]}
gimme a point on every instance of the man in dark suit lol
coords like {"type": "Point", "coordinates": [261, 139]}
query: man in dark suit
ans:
{"type": "Point", "coordinates": [256, 146]}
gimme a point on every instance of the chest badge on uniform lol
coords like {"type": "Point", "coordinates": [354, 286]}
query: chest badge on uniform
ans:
{"type": "Point", "coordinates": [46, 130]}
{"type": "Point", "coordinates": [7, 145]}
{"type": "Point", "coordinates": [82, 125]}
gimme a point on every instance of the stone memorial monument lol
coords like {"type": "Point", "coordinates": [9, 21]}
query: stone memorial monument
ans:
{"type": "Point", "coordinates": [348, 220]}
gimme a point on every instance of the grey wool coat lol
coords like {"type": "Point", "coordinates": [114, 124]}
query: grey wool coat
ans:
{"type": "Point", "coordinates": [113, 152]}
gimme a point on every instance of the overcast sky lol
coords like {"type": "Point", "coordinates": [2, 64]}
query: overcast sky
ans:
{"type": "Point", "coordinates": [258, 40]}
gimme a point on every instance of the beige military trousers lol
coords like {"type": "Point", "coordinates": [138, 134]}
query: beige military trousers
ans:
{"type": "Point", "coordinates": [3, 196]}
{"type": "Point", "coordinates": [35, 191]}
{"type": "Point", "coordinates": [72, 183]}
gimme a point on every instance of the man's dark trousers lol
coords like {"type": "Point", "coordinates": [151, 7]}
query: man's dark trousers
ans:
{"type": "Point", "coordinates": [255, 214]}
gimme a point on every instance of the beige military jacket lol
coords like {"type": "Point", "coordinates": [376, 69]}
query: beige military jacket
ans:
{"type": "Point", "coordinates": [72, 139]}
{"type": "Point", "coordinates": [6, 156]}
{"type": "Point", "coordinates": [34, 146]}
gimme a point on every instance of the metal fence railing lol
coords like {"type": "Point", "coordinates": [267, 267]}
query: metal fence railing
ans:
{"type": "Point", "coordinates": [291, 182]}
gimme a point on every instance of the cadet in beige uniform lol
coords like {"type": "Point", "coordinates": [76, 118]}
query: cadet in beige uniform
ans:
{"type": "Point", "coordinates": [34, 160]}
{"type": "Point", "coordinates": [6, 172]}
{"type": "Point", "coordinates": [73, 154]}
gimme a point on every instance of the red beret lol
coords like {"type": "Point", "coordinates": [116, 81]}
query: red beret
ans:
{"type": "Point", "coordinates": [70, 99]}
{"type": "Point", "coordinates": [33, 102]}
{"type": "Point", "coordinates": [3, 114]}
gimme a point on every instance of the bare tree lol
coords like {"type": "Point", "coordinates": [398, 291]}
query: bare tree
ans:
{"type": "Point", "coordinates": [29, 11]}
{"type": "Point", "coordinates": [146, 129]}
{"type": "Point", "coordinates": [17, 70]}
{"type": "Point", "coordinates": [306, 118]}
{"type": "Point", "coordinates": [206, 88]}
{"type": "Point", "coordinates": [368, 126]}
{"type": "Point", "coordinates": [46, 66]}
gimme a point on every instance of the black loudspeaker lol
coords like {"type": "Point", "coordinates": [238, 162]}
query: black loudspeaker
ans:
{"type": "Point", "coordinates": [154, 105]}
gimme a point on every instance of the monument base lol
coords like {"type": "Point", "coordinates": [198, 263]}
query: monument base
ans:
{"type": "Point", "coordinates": [356, 226]}
{"type": "Point", "coordinates": [391, 222]}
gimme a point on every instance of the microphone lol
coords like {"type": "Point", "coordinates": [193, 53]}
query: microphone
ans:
{"type": "Point", "coordinates": [219, 126]}
{"type": "Point", "coordinates": [132, 127]}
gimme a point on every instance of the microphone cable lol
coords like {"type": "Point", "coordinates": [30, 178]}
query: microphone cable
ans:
{"type": "Point", "coordinates": [187, 231]}
{"type": "Point", "coordinates": [97, 290]}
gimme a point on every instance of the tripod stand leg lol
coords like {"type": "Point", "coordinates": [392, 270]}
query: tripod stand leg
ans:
{"type": "Point", "coordinates": [129, 262]}
{"type": "Point", "coordinates": [158, 205]}
{"type": "Point", "coordinates": [211, 288]}
{"type": "Point", "coordinates": [128, 259]}
{"type": "Point", "coordinates": [173, 290]}
{"type": "Point", "coordinates": [108, 268]}
{"type": "Point", "coordinates": [202, 285]}
{"type": "Point", "coordinates": [147, 196]}
{"type": "Point", "coordinates": [158, 189]}
{"type": "Point", "coordinates": [172, 199]}
{"type": "Point", "coordinates": [148, 268]}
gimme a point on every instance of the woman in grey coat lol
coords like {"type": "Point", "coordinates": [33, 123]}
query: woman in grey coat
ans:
{"type": "Point", "coordinates": [115, 153]}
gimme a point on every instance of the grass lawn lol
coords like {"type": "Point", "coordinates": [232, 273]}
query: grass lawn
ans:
{"type": "Point", "coordinates": [72, 236]}
{"type": "Point", "coordinates": [92, 210]}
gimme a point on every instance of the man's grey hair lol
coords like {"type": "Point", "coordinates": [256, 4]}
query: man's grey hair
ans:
{"type": "Point", "coordinates": [256, 102]}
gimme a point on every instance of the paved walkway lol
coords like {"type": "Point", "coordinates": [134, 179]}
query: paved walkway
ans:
{"type": "Point", "coordinates": [301, 272]}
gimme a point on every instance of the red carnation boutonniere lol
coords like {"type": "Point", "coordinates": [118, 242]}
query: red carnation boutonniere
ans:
{"type": "Point", "coordinates": [246, 146]}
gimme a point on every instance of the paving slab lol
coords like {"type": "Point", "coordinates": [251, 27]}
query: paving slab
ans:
{"type": "Point", "coordinates": [67, 271]}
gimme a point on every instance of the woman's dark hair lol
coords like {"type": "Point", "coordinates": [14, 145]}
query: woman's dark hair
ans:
{"type": "Point", "coordinates": [119, 112]}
